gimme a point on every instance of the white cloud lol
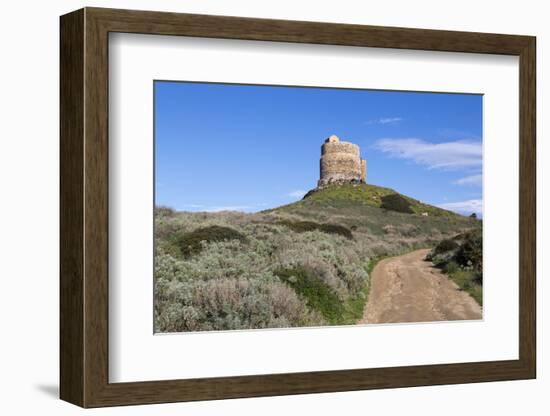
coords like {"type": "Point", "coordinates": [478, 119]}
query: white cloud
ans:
{"type": "Point", "coordinates": [218, 208]}
{"type": "Point", "coordinates": [385, 120]}
{"type": "Point", "coordinates": [193, 206]}
{"type": "Point", "coordinates": [472, 180]}
{"type": "Point", "coordinates": [230, 208]}
{"type": "Point", "coordinates": [464, 207]}
{"type": "Point", "coordinates": [449, 155]}
{"type": "Point", "coordinates": [388, 120]}
{"type": "Point", "coordinates": [297, 194]}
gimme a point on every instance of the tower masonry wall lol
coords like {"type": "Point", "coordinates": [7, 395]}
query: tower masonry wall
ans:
{"type": "Point", "coordinates": [340, 163]}
{"type": "Point", "coordinates": [339, 147]}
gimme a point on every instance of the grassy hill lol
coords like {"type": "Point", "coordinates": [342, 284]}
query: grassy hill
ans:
{"type": "Point", "coordinates": [364, 194]}
{"type": "Point", "coordinates": [301, 264]}
{"type": "Point", "coordinates": [362, 207]}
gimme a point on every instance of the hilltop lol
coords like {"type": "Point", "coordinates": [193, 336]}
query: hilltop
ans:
{"type": "Point", "coordinates": [366, 194]}
{"type": "Point", "coordinates": [376, 210]}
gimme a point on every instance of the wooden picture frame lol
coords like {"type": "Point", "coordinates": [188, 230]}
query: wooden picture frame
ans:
{"type": "Point", "coordinates": [84, 207]}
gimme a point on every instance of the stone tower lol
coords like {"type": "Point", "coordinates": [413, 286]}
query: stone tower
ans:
{"type": "Point", "coordinates": [341, 163]}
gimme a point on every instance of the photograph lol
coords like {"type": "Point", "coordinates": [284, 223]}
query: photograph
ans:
{"type": "Point", "coordinates": [299, 206]}
{"type": "Point", "coordinates": [280, 205]}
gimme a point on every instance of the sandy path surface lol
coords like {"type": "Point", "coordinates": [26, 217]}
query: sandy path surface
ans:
{"type": "Point", "coordinates": [409, 289]}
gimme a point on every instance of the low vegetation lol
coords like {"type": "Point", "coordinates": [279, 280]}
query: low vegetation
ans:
{"type": "Point", "coordinates": [317, 294]}
{"type": "Point", "coordinates": [445, 246]}
{"type": "Point", "coordinates": [303, 264]}
{"type": "Point", "coordinates": [461, 258]}
{"type": "Point", "coordinates": [303, 226]}
{"type": "Point", "coordinates": [396, 202]}
{"type": "Point", "coordinates": [194, 241]}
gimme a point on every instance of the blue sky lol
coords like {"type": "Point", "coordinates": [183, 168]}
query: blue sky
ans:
{"type": "Point", "coordinates": [248, 148]}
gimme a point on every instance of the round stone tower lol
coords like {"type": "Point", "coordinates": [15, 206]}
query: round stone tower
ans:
{"type": "Point", "coordinates": [341, 163]}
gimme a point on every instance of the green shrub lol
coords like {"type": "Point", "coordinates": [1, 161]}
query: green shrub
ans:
{"type": "Point", "coordinates": [396, 202]}
{"type": "Point", "coordinates": [164, 211]}
{"type": "Point", "coordinates": [225, 304]}
{"type": "Point", "coordinates": [470, 253]}
{"type": "Point", "coordinates": [304, 226]}
{"type": "Point", "coordinates": [192, 242]}
{"type": "Point", "coordinates": [451, 267]}
{"type": "Point", "coordinates": [461, 258]}
{"type": "Point", "coordinates": [317, 294]}
{"type": "Point", "coordinates": [445, 245]}
{"type": "Point", "coordinates": [336, 229]}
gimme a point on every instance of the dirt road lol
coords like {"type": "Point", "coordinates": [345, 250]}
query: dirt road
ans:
{"type": "Point", "coordinates": [409, 289]}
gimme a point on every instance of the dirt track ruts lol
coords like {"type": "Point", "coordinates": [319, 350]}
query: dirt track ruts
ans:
{"type": "Point", "coordinates": [409, 289]}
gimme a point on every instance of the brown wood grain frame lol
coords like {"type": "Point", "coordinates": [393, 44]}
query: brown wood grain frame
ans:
{"type": "Point", "coordinates": [84, 214]}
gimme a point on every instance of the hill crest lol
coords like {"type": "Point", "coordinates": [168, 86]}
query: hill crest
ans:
{"type": "Point", "coordinates": [345, 195]}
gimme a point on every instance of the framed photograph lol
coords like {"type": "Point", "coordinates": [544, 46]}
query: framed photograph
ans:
{"type": "Point", "coordinates": [254, 207]}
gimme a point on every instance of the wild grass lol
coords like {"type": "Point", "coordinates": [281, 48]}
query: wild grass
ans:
{"type": "Point", "coordinates": [461, 259]}
{"type": "Point", "coordinates": [317, 294]}
{"type": "Point", "coordinates": [467, 280]}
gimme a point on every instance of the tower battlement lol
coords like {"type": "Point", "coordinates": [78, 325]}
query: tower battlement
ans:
{"type": "Point", "coordinates": [341, 163]}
